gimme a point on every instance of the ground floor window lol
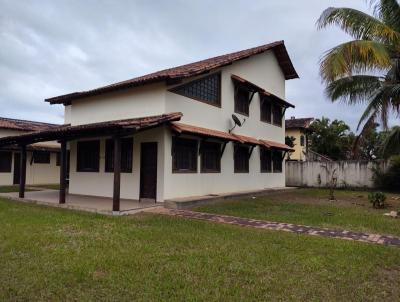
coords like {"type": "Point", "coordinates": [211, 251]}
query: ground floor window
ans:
{"type": "Point", "coordinates": [277, 161]}
{"type": "Point", "coordinates": [210, 157]}
{"type": "Point", "coordinates": [5, 161]}
{"type": "Point", "coordinates": [266, 160]}
{"type": "Point", "coordinates": [241, 159]}
{"type": "Point", "coordinates": [184, 155]}
{"type": "Point", "coordinates": [126, 155]}
{"type": "Point", "coordinates": [88, 156]}
{"type": "Point", "coordinates": [41, 157]}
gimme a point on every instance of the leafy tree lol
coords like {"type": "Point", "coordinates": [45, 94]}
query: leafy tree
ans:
{"type": "Point", "coordinates": [289, 140]}
{"type": "Point", "coordinates": [365, 70]}
{"type": "Point", "coordinates": [369, 146]}
{"type": "Point", "coordinates": [332, 139]}
{"type": "Point", "coordinates": [391, 144]}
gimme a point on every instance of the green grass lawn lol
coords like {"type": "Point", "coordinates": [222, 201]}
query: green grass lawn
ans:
{"type": "Point", "coordinates": [11, 189]}
{"type": "Point", "coordinates": [50, 254]}
{"type": "Point", "coordinates": [351, 211]}
{"type": "Point", "coordinates": [47, 186]}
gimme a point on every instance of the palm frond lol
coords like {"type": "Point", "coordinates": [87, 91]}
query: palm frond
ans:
{"type": "Point", "coordinates": [388, 11]}
{"type": "Point", "coordinates": [374, 108]}
{"type": "Point", "coordinates": [368, 126]}
{"type": "Point", "coordinates": [354, 57]}
{"type": "Point", "coordinates": [353, 89]}
{"type": "Point", "coordinates": [359, 25]}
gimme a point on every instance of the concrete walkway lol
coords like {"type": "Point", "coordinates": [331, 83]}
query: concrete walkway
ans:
{"type": "Point", "coordinates": [277, 226]}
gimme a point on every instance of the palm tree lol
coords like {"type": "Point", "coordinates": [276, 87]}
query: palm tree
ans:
{"type": "Point", "coordinates": [365, 70]}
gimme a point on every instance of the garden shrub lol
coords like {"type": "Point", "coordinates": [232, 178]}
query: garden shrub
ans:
{"type": "Point", "coordinates": [377, 199]}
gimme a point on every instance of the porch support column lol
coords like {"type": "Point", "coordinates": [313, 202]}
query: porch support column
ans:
{"type": "Point", "coordinates": [117, 174]}
{"type": "Point", "coordinates": [22, 172]}
{"type": "Point", "coordinates": [63, 172]}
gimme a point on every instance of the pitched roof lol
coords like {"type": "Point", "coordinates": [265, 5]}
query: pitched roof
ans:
{"type": "Point", "coordinates": [189, 70]}
{"type": "Point", "coordinates": [298, 122]}
{"type": "Point", "coordinates": [275, 145]}
{"type": "Point", "coordinates": [23, 125]}
{"type": "Point", "coordinates": [87, 130]}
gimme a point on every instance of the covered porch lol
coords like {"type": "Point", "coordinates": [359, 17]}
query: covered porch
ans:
{"type": "Point", "coordinates": [116, 130]}
{"type": "Point", "coordinates": [95, 204]}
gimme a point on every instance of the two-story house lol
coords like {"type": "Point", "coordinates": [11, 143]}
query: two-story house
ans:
{"type": "Point", "coordinates": [299, 129]}
{"type": "Point", "coordinates": [170, 134]}
{"type": "Point", "coordinates": [43, 158]}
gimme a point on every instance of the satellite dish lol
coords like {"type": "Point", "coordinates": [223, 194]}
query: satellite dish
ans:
{"type": "Point", "coordinates": [237, 122]}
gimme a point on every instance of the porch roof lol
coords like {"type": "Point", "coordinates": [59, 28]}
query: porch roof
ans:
{"type": "Point", "coordinates": [68, 132]}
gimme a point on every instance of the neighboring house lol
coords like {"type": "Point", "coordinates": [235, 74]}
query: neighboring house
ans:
{"type": "Point", "coordinates": [299, 128]}
{"type": "Point", "coordinates": [167, 134]}
{"type": "Point", "coordinates": [42, 165]}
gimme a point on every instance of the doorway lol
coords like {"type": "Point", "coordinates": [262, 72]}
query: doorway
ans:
{"type": "Point", "coordinates": [148, 171]}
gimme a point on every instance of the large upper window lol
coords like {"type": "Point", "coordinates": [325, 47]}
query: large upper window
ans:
{"type": "Point", "coordinates": [241, 159]}
{"type": "Point", "coordinates": [302, 140]}
{"type": "Point", "coordinates": [242, 100]}
{"type": "Point", "coordinates": [126, 155]}
{"type": "Point", "coordinates": [277, 115]}
{"type": "Point", "coordinates": [266, 109]}
{"type": "Point", "coordinates": [206, 89]}
{"type": "Point", "coordinates": [184, 155]}
{"type": "Point", "coordinates": [5, 161]}
{"type": "Point", "coordinates": [266, 160]}
{"type": "Point", "coordinates": [210, 157]}
{"type": "Point", "coordinates": [41, 157]}
{"type": "Point", "coordinates": [88, 156]}
{"type": "Point", "coordinates": [277, 159]}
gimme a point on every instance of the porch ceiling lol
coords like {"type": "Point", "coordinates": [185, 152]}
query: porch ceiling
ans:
{"type": "Point", "coordinates": [68, 132]}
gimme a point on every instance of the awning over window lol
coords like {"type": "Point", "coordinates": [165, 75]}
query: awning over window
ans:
{"type": "Point", "coordinates": [247, 140]}
{"type": "Point", "coordinates": [68, 132]}
{"type": "Point", "coordinates": [275, 145]}
{"type": "Point", "coordinates": [200, 131]}
{"type": "Point", "coordinates": [255, 88]}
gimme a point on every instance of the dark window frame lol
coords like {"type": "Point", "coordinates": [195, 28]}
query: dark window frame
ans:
{"type": "Point", "coordinates": [266, 103]}
{"type": "Point", "coordinates": [41, 157]}
{"type": "Point", "coordinates": [275, 120]}
{"type": "Point", "coordinates": [302, 140]}
{"type": "Point", "coordinates": [180, 145]}
{"type": "Point", "coordinates": [266, 160]}
{"type": "Point", "coordinates": [240, 94]}
{"type": "Point", "coordinates": [241, 152]}
{"type": "Point", "coordinates": [6, 158]}
{"type": "Point", "coordinates": [277, 157]}
{"type": "Point", "coordinates": [218, 101]}
{"type": "Point", "coordinates": [95, 149]}
{"type": "Point", "coordinates": [207, 149]}
{"type": "Point", "coordinates": [126, 155]}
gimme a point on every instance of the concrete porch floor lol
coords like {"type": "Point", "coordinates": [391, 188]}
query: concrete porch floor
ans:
{"type": "Point", "coordinates": [94, 204]}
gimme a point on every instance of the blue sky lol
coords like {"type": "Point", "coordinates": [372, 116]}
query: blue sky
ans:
{"type": "Point", "coordinates": [50, 48]}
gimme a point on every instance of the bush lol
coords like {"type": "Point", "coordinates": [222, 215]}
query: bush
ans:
{"type": "Point", "coordinates": [377, 199]}
{"type": "Point", "coordinates": [389, 180]}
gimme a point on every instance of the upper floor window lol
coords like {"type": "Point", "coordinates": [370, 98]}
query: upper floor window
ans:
{"type": "Point", "coordinates": [265, 109]}
{"type": "Point", "coordinates": [5, 161]}
{"type": "Point", "coordinates": [210, 157]}
{"type": "Point", "coordinates": [184, 155]}
{"type": "Point", "coordinates": [126, 155]}
{"type": "Point", "coordinates": [41, 157]}
{"type": "Point", "coordinates": [242, 100]}
{"type": "Point", "coordinates": [277, 115]}
{"type": "Point", "coordinates": [302, 140]}
{"type": "Point", "coordinates": [206, 89]}
{"type": "Point", "coordinates": [88, 156]}
{"type": "Point", "coordinates": [241, 159]}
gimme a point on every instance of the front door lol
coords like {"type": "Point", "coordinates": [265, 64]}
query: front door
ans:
{"type": "Point", "coordinates": [17, 159]}
{"type": "Point", "coordinates": [148, 171]}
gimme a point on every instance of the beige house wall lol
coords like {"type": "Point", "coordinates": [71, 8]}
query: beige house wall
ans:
{"type": "Point", "coordinates": [299, 150]}
{"type": "Point", "coordinates": [263, 70]}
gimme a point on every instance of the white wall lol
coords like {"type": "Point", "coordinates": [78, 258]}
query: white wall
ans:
{"type": "Point", "coordinates": [319, 174]}
{"type": "Point", "coordinates": [101, 184]}
{"type": "Point", "coordinates": [138, 102]}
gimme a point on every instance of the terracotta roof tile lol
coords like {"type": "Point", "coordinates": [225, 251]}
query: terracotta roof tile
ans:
{"type": "Point", "coordinates": [275, 145]}
{"type": "Point", "coordinates": [23, 125]}
{"type": "Point", "coordinates": [298, 123]}
{"type": "Point", "coordinates": [247, 139]}
{"type": "Point", "coordinates": [184, 128]}
{"type": "Point", "coordinates": [189, 70]}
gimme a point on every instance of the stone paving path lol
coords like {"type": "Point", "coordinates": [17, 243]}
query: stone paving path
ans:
{"type": "Point", "coordinates": [288, 227]}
